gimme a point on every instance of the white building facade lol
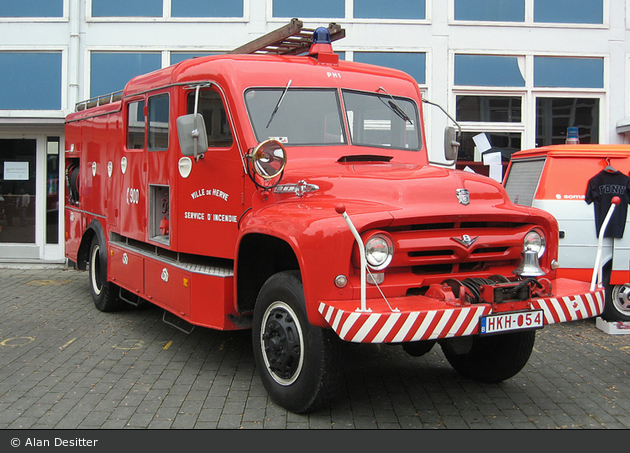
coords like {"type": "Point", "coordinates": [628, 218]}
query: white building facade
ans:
{"type": "Point", "coordinates": [521, 71]}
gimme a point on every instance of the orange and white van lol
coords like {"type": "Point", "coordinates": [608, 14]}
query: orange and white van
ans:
{"type": "Point", "coordinates": [555, 178]}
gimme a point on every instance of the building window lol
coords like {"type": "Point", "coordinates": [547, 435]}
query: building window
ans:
{"type": "Point", "coordinates": [160, 8]}
{"type": "Point", "coordinates": [569, 11]}
{"type": "Point", "coordinates": [32, 8]}
{"type": "Point", "coordinates": [488, 70]}
{"type": "Point", "coordinates": [569, 72]}
{"type": "Point", "coordinates": [30, 80]}
{"type": "Point", "coordinates": [413, 63]}
{"type": "Point", "coordinates": [206, 8]}
{"type": "Point", "coordinates": [110, 71]}
{"type": "Point", "coordinates": [489, 109]}
{"type": "Point", "coordinates": [125, 8]}
{"type": "Point", "coordinates": [564, 92]}
{"type": "Point", "coordinates": [544, 11]}
{"type": "Point", "coordinates": [555, 115]}
{"type": "Point", "coordinates": [395, 9]}
{"type": "Point", "coordinates": [470, 156]}
{"type": "Point", "coordinates": [320, 8]}
{"type": "Point", "coordinates": [490, 10]}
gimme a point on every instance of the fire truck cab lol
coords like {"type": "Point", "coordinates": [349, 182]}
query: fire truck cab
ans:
{"type": "Point", "coordinates": [292, 194]}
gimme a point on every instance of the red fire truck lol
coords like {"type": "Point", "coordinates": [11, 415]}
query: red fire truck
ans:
{"type": "Point", "coordinates": [292, 194]}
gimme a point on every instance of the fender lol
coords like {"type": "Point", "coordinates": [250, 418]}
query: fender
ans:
{"type": "Point", "coordinates": [312, 223]}
{"type": "Point", "coordinates": [93, 229]}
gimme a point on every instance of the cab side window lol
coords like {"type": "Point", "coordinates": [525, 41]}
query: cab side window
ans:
{"type": "Point", "coordinates": [158, 122]}
{"type": "Point", "coordinates": [135, 125]}
{"type": "Point", "coordinates": [215, 117]}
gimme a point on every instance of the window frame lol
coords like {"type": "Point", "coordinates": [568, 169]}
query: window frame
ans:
{"type": "Point", "coordinates": [63, 89]}
{"type": "Point", "coordinates": [529, 19]}
{"type": "Point", "coordinates": [166, 15]}
{"type": "Point", "coordinates": [63, 18]}
{"type": "Point", "coordinates": [349, 15]}
{"type": "Point", "coordinates": [529, 93]}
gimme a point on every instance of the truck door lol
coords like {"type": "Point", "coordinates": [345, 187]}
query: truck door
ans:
{"type": "Point", "coordinates": [133, 197]}
{"type": "Point", "coordinates": [159, 170]}
{"type": "Point", "coordinates": [211, 198]}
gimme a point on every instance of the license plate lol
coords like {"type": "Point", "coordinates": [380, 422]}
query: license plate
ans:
{"type": "Point", "coordinates": [506, 322]}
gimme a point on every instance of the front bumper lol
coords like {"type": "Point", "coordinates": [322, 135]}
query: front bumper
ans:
{"type": "Point", "coordinates": [416, 318]}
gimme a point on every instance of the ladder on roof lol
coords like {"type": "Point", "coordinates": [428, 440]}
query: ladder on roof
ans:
{"type": "Point", "coordinates": [292, 39]}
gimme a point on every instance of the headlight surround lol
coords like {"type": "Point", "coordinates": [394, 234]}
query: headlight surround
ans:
{"type": "Point", "coordinates": [379, 251]}
{"type": "Point", "coordinates": [535, 240]}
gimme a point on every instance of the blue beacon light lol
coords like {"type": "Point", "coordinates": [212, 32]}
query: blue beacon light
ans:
{"type": "Point", "coordinates": [321, 35]}
{"type": "Point", "coordinates": [322, 47]}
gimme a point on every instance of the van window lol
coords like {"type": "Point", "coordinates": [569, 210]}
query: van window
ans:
{"type": "Point", "coordinates": [522, 181]}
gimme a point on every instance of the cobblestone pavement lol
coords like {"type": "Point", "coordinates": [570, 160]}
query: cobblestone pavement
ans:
{"type": "Point", "coordinates": [65, 365]}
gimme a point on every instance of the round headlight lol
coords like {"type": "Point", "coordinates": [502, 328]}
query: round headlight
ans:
{"type": "Point", "coordinates": [535, 240]}
{"type": "Point", "coordinates": [379, 250]}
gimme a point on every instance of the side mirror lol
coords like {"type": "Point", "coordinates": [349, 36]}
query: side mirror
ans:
{"type": "Point", "coordinates": [451, 145]}
{"type": "Point", "coordinates": [191, 131]}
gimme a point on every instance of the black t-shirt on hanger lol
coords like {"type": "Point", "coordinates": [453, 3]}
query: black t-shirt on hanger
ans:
{"type": "Point", "coordinates": [600, 190]}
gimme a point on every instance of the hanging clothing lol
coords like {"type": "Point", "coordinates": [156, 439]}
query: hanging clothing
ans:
{"type": "Point", "coordinates": [600, 190]}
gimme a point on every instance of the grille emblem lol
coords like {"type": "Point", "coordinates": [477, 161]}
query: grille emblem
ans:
{"type": "Point", "coordinates": [466, 240]}
{"type": "Point", "coordinates": [463, 196]}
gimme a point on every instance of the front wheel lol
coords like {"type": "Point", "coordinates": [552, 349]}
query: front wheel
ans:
{"type": "Point", "coordinates": [495, 358]}
{"type": "Point", "coordinates": [617, 304]}
{"type": "Point", "coordinates": [294, 358]}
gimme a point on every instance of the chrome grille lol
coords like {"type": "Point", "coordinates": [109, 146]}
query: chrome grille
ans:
{"type": "Point", "coordinates": [434, 249]}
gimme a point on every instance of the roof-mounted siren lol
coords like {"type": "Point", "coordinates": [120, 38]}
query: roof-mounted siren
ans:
{"type": "Point", "coordinates": [322, 47]}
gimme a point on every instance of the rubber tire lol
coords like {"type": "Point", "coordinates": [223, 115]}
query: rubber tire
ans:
{"type": "Point", "coordinates": [612, 311]}
{"type": "Point", "coordinates": [104, 293]}
{"type": "Point", "coordinates": [494, 358]}
{"type": "Point", "coordinates": [310, 383]}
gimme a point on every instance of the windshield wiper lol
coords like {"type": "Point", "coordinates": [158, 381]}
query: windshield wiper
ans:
{"type": "Point", "coordinates": [278, 104]}
{"type": "Point", "coordinates": [395, 107]}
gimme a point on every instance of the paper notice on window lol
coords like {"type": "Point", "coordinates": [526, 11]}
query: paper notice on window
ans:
{"type": "Point", "coordinates": [496, 172]}
{"type": "Point", "coordinates": [492, 158]}
{"type": "Point", "coordinates": [482, 142]}
{"type": "Point", "coordinates": [16, 171]}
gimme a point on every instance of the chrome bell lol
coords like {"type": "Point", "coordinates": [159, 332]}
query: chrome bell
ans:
{"type": "Point", "coordinates": [528, 267]}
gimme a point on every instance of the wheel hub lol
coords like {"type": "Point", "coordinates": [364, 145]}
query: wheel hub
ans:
{"type": "Point", "coordinates": [621, 298]}
{"type": "Point", "coordinates": [281, 343]}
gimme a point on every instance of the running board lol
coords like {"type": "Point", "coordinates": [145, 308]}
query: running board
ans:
{"type": "Point", "coordinates": [137, 302]}
{"type": "Point", "coordinates": [180, 321]}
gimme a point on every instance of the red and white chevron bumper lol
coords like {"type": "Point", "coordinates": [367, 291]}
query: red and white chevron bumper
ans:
{"type": "Point", "coordinates": [416, 318]}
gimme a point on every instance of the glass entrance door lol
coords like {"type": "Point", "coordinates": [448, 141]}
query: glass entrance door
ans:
{"type": "Point", "coordinates": [18, 158]}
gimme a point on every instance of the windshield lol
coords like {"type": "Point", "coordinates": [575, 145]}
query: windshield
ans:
{"type": "Point", "coordinates": [296, 116]}
{"type": "Point", "coordinates": [380, 120]}
{"type": "Point", "coordinates": [300, 116]}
